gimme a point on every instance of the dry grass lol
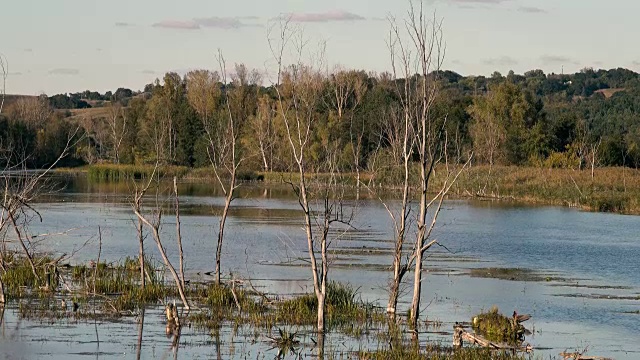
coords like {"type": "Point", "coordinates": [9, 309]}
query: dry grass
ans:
{"type": "Point", "coordinates": [610, 189]}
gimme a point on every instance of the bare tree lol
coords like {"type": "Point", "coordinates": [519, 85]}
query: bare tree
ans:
{"type": "Point", "coordinates": [263, 125]}
{"type": "Point", "coordinates": [4, 72]}
{"type": "Point", "coordinates": [178, 233]}
{"type": "Point", "coordinates": [20, 190]}
{"type": "Point", "coordinates": [299, 91]}
{"type": "Point", "coordinates": [117, 124]}
{"type": "Point", "coordinates": [223, 109]}
{"type": "Point", "coordinates": [34, 111]}
{"type": "Point", "coordinates": [154, 223]}
{"type": "Point", "coordinates": [348, 89]}
{"type": "Point", "coordinates": [418, 55]}
{"type": "Point", "coordinates": [140, 232]}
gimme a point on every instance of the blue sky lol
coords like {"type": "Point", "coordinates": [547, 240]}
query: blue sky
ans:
{"type": "Point", "coordinates": [56, 46]}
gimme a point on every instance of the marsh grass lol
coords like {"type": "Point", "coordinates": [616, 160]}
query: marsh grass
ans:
{"type": "Point", "coordinates": [613, 189]}
{"type": "Point", "coordinates": [436, 352]}
{"type": "Point", "coordinates": [19, 280]}
{"type": "Point", "coordinates": [119, 284]}
{"type": "Point", "coordinates": [344, 311]}
{"type": "Point", "coordinates": [119, 172]}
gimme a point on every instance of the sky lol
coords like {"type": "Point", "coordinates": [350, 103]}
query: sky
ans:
{"type": "Point", "coordinates": [59, 46]}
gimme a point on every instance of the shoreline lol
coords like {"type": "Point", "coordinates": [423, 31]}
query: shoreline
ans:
{"type": "Point", "coordinates": [612, 190]}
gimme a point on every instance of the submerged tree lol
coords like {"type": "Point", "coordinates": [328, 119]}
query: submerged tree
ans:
{"type": "Point", "coordinates": [224, 108]}
{"type": "Point", "coordinates": [418, 55]}
{"type": "Point", "coordinates": [299, 91]}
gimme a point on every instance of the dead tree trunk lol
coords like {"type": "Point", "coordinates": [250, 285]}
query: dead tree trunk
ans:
{"type": "Point", "coordinates": [141, 253]}
{"type": "Point", "coordinates": [2, 299]}
{"type": "Point", "coordinates": [178, 234]}
{"type": "Point", "coordinates": [223, 219]}
{"type": "Point", "coordinates": [155, 231]}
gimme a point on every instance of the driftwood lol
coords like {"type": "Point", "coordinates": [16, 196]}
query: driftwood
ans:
{"type": "Point", "coordinates": [460, 335]}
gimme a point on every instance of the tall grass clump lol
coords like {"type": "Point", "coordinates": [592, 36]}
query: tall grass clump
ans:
{"type": "Point", "coordinates": [118, 172]}
{"type": "Point", "coordinates": [121, 283]}
{"type": "Point", "coordinates": [19, 279]}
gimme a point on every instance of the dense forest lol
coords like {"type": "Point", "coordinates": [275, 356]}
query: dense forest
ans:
{"type": "Point", "coordinates": [535, 119]}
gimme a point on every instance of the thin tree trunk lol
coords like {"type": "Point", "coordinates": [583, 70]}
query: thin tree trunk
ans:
{"type": "Point", "coordinates": [167, 263]}
{"type": "Point", "coordinates": [223, 220]}
{"type": "Point", "coordinates": [399, 269]}
{"type": "Point", "coordinates": [264, 156]}
{"type": "Point", "coordinates": [178, 235]}
{"type": "Point", "coordinates": [141, 252]}
{"type": "Point", "coordinates": [317, 285]}
{"type": "Point", "coordinates": [2, 299]}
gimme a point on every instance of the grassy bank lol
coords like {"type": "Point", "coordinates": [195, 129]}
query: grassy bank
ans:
{"type": "Point", "coordinates": [609, 190]}
{"type": "Point", "coordinates": [112, 172]}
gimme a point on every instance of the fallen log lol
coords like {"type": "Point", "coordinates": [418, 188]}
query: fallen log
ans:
{"type": "Point", "coordinates": [460, 335]}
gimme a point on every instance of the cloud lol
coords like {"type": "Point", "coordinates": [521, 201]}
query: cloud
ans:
{"type": "Point", "coordinates": [177, 24]}
{"type": "Point", "coordinates": [148, 72]}
{"type": "Point", "coordinates": [635, 63]}
{"type": "Point", "coordinates": [557, 59]}
{"type": "Point", "coordinates": [219, 22]}
{"type": "Point", "coordinates": [28, 50]}
{"type": "Point", "coordinates": [207, 22]}
{"type": "Point", "coordinates": [478, 1]}
{"type": "Point", "coordinates": [532, 10]}
{"type": "Point", "coordinates": [17, 73]}
{"type": "Point", "coordinates": [64, 71]}
{"type": "Point", "coordinates": [329, 16]}
{"type": "Point", "coordinates": [501, 61]}
{"type": "Point", "coordinates": [123, 24]}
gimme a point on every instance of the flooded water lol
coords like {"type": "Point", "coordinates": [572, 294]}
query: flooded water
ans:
{"type": "Point", "coordinates": [583, 296]}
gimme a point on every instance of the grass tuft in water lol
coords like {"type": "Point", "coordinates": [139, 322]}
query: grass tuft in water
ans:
{"type": "Point", "coordinates": [496, 327]}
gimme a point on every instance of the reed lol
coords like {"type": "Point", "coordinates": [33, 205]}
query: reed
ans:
{"type": "Point", "coordinates": [118, 172]}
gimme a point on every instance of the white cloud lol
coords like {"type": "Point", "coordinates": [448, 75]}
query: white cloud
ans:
{"type": "Point", "coordinates": [64, 71]}
{"type": "Point", "coordinates": [324, 17]}
{"type": "Point", "coordinates": [532, 10]}
{"type": "Point", "coordinates": [177, 24]}
{"type": "Point", "coordinates": [501, 61]}
{"type": "Point", "coordinates": [557, 59]}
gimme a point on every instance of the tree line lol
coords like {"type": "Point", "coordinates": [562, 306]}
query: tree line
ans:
{"type": "Point", "coordinates": [534, 119]}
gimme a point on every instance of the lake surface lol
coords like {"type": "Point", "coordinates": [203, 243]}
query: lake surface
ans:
{"type": "Point", "coordinates": [590, 260]}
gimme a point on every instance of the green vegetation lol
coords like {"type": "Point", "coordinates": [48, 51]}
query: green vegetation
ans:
{"type": "Point", "coordinates": [497, 327]}
{"type": "Point", "coordinates": [433, 352]}
{"type": "Point", "coordinates": [112, 172]}
{"type": "Point", "coordinates": [20, 281]}
{"type": "Point", "coordinates": [536, 119]}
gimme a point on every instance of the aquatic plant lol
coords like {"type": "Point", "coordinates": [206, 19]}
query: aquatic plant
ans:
{"type": "Point", "coordinates": [497, 327]}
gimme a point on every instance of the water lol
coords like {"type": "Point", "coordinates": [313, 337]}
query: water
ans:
{"type": "Point", "coordinates": [594, 254]}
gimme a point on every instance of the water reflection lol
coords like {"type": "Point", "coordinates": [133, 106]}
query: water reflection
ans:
{"type": "Point", "coordinates": [140, 321]}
